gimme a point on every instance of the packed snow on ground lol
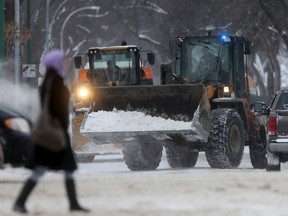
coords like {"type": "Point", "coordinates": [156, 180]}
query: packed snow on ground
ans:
{"type": "Point", "coordinates": [111, 189]}
{"type": "Point", "coordinates": [118, 120]}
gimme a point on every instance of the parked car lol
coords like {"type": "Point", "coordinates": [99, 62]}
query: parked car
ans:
{"type": "Point", "coordinates": [277, 128]}
{"type": "Point", "coordinates": [15, 143]}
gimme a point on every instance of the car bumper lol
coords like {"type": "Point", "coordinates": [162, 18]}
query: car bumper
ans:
{"type": "Point", "coordinates": [280, 145]}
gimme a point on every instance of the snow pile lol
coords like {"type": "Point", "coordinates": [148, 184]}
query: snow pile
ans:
{"type": "Point", "coordinates": [117, 120]}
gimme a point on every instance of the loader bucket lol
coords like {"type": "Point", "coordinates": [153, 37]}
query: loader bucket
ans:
{"type": "Point", "coordinates": [177, 102]}
{"type": "Point", "coordinates": [170, 102]}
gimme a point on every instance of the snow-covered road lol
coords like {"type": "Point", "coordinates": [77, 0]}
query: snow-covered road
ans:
{"type": "Point", "coordinates": [108, 187]}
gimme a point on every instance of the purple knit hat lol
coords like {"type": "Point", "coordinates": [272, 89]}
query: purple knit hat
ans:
{"type": "Point", "coordinates": [55, 59]}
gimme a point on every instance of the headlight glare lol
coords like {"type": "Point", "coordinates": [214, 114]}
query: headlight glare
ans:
{"type": "Point", "coordinates": [83, 92]}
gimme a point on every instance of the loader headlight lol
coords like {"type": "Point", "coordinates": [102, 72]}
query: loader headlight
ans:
{"type": "Point", "coordinates": [83, 92]}
{"type": "Point", "coordinates": [226, 89]}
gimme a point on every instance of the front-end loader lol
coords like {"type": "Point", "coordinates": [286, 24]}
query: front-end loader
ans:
{"type": "Point", "coordinates": [93, 70]}
{"type": "Point", "coordinates": [207, 85]}
{"type": "Point", "coordinates": [92, 75]}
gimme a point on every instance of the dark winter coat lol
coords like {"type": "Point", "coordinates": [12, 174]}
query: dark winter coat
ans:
{"type": "Point", "coordinates": [59, 108]}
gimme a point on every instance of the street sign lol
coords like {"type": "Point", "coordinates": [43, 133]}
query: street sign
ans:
{"type": "Point", "coordinates": [29, 70]}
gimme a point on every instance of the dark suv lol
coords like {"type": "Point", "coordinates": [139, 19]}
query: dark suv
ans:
{"type": "Point", "coordinates": [277, 128]}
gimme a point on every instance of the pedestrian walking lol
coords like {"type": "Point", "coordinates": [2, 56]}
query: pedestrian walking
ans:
{"type": "Point", "coordinates": [52, 152]}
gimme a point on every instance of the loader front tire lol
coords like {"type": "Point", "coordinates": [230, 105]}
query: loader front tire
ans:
{"type": "Point", "coordinates": [142, 156]}
{"type": "Point", "coordinates": [226, 142]}
{"type": "Point", "coordinates": [179, 157]}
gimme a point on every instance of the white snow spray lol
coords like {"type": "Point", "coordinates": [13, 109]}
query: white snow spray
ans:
{"type": "Point", "coordinates": [20, 97]}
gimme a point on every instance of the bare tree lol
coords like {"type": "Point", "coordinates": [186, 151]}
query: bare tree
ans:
{"type": "Point", "coordinates": [77, 25]}
{"type": "Point", "coordinates": [277, 12]}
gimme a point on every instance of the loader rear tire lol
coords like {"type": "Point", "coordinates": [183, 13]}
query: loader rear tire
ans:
{"type": "Point", "coordinates": [179, 157]}
{"type": "Point", "coordinates": [226, 142]}
{"type": "Point", "coordinates": [142, 156]}
{"type": "Point", "coordinates": [257, 152]}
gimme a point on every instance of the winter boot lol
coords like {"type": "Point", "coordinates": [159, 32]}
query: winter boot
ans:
{"type": "Point", "coordinates": [19, 205]}
{"type": "Point", "coordinates": [71, 192]}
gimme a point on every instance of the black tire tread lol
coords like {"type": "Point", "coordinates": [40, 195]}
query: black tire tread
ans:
{"type": "Point", "coordinates": [139, 156]}
{"type": "Point", "coordinates": [257, 151]}
{"type": "Point", "coordinates": [217, 153]}
{"type": "Point", "coordinates": [179, 157]}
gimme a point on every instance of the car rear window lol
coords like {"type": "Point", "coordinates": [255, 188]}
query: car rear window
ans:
{"type": "Point", "coordinates": [282, 103]}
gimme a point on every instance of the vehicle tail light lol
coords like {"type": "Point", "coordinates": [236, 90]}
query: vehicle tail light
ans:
{"type": "Point", "coordinates": [272, 128]}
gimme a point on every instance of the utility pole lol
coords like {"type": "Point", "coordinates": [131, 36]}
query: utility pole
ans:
{"type": "Point", "coordinates": [47, 43]}
{"type": "Point", "coordinates": [28, 44]}
{"type": "Point", "coordinates": [17, 42]}
{"type": "Point", "coordinates": [1, 29]}
{"type": "Point", "coordinates": [28, 27]}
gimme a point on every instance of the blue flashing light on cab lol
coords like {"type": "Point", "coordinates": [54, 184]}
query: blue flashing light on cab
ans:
{"type": "Point", "coordinates": [225, 38]}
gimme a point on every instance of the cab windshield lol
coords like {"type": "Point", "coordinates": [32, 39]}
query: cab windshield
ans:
{"type": "Point", "coordinates": [111, 66]}
{"type": "Point", "coordinates": [203, 59]}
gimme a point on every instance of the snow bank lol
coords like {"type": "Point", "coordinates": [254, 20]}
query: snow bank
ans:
{"type": "Point", "coordinates": [117, 120]}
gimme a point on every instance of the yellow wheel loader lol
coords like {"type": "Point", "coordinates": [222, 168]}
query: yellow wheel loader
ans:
{"type": "Point", "coordinates": [206, 85]}
{"type": "Point", "coordinates": [107, 67]}
{"type": "Point", "coordinates": [104, 68]}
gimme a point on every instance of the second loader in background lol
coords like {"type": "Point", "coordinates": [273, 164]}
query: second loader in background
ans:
{"type": "Point", "coordinates": [106, 68]}
{"type": "Point", "coordinates": [206, 84]}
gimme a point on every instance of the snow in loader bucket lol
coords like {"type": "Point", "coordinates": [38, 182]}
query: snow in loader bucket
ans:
{"type": "Point", "coordinates": [128, 114]}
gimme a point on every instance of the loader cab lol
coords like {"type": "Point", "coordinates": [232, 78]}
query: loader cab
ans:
{"type": "Point", "coordinates": [212, 60]}
{"type": "Point", "coordinates": [115, 65]}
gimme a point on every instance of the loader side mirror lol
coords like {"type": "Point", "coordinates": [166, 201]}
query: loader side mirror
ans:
{"type": "Point", "coordinates": [247, 47]}
{"type": "Point", "coordinates": [151, 58]}
{"type": "Point", "coordinates": [77, 61]}
{"type": "Point", "coordinates": [260, 108]}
